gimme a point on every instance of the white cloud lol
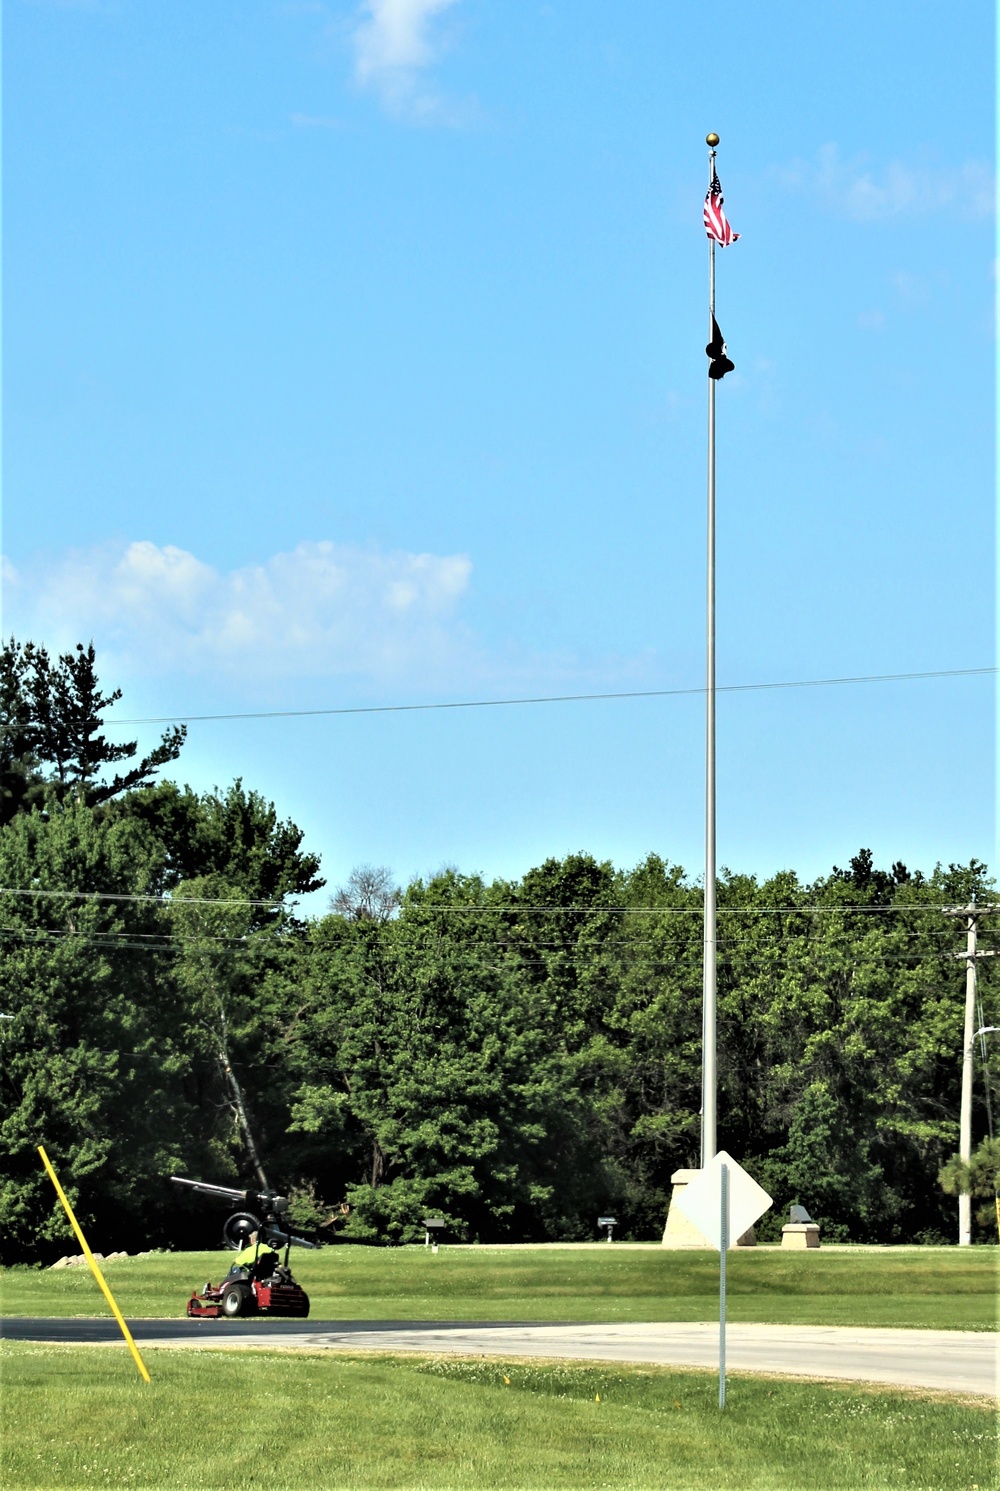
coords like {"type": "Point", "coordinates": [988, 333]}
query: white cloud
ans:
{"type": "Point", "coordinates": [393, 45]}
{"type": "Point", "coordinates": [866, 193]}
{"type": "Point", "coordinates": [394, 35]}
{"type": "Point", "coordinates": [323, 609]}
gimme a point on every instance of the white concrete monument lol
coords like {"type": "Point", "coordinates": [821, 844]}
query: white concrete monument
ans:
{"type": "Point", "coordinates": [800, 1231]}
{"type": "Point", "coordinates": [699, 1201]}
{"type": "Point", "coordinates": [681, 1233]}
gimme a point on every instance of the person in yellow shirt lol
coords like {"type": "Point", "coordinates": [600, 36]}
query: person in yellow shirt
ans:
{"type": "Point", "coordinates": [263, 1255]}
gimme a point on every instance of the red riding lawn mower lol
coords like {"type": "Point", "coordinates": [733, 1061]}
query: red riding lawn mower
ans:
{"type": "Point", "coordinates": [258, 1283]}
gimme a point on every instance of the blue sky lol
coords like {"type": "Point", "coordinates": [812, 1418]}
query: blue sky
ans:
{"type": "Point", "coordinates": [354, 355]}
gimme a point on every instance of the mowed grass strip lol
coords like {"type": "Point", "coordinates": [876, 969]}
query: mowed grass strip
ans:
{"type": "Point", "coordinates": [77, 1417]}
{"type": "Point", "coordinates": [935, 1288]}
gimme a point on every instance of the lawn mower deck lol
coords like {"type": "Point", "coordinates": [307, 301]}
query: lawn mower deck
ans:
{"type": "Point", "coordinates": [235, 1297]}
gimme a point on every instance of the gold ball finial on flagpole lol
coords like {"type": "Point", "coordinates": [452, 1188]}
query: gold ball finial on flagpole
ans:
{"type": "Point", "coordinates": [712, 140]}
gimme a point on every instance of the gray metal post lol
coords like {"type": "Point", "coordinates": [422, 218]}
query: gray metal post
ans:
{"type": "Point", "coordinates": [723, 1250]}
{"type": "Point", "coordinates": [968, 1055]}
{"type": "Point", "coordinates": [708, 1068]}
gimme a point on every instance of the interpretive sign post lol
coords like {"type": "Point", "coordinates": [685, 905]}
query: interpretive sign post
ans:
{"type": "Point", "coordinates": [723, 1201]}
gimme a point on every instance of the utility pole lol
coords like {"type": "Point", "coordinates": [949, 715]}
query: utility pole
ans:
{"type": "Point", "coordinates": [970, 915]}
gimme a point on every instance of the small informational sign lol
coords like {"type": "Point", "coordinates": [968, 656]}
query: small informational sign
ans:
{"type": "Point", "coordinates": [699, 1201]}
{"type": "Point", "coordinates": [607, 1221]}
{"type": "Point", "coordinates": [432, 1224]}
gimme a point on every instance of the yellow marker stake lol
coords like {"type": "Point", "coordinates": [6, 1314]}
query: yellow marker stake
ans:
{"type": "Point", "coordinates": [94, 1268]}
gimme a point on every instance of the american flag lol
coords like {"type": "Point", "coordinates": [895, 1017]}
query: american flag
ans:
{"type": "Point", "coordinates": [716, 222]}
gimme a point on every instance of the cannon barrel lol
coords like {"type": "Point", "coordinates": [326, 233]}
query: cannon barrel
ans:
{"type": "Point", "coordinates": [274, 1234]}
{"type": "Point", "coordinates": [266, 1200]}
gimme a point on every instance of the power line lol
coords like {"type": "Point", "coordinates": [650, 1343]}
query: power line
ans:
{"type": "Point", "coordinates": [401, 947]}
{"type": "Point", "coordinates": [113, 938]}
{"type": "Point", "coordinates": [668, 910]}
{"type": "Point", "coordinates": [100, 895]}
{"type": "Point", "coordinates": [653, 964]}
{"type": "Point", "coordinates": [481, 910]}
{"type": "Point", "coordinates": [630, 950]}
{"type": "Point", "coordinates": [727, 688]}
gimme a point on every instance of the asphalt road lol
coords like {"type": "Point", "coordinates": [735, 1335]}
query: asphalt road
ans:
{"type": "Point", "coordinates": [949, 1361]}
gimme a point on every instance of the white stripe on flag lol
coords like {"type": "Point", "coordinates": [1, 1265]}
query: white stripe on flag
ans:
{"type": "Point", "coordinates": [716, 222]}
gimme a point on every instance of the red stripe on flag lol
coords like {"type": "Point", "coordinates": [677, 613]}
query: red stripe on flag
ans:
{"type": "Point", "coordinates": [716, 222]}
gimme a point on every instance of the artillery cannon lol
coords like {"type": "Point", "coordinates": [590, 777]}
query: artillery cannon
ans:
{"type": "Point", "coordinates": [257, 1283]}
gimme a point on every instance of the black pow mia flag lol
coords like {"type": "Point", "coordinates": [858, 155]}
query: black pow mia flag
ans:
{"type": "Point", "coordinates": [716, 350]}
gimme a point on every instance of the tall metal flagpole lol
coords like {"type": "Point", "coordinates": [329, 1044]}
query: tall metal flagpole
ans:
{"type": "Point", "coordinates": [708, 1067]}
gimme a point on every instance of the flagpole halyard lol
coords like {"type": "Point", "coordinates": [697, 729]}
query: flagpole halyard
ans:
{"type": "Point", "coordinates": [708, 1071]}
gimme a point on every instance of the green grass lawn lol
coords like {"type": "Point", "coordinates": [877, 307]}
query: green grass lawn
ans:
{"type": "Point", "coordinates": [78, 1417]}
{"type": "Point", "coordinates": [943, 1288]}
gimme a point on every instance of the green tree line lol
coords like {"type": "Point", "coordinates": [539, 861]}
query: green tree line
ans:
{"type": "Point", "coordinates": [514, 1056]}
